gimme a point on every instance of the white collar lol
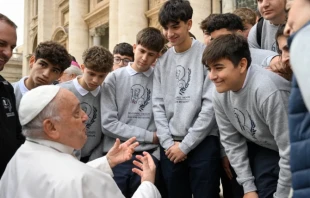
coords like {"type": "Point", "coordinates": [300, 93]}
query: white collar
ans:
{"type": "Point", "coordinates": [51, 144]}
{"type": "Point", "coordinates": [21, 84]}
{"type": "Point", "coordinates": [83, 91]}
{"type": "Point", "coordinates": [133, 72]}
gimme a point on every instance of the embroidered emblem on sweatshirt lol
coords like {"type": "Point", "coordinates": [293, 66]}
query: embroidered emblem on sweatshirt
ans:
{"type": "Point", "coordinates": [91, 112]}
{"type": "Point", "coordinates": [7, 106]}
{"type": "Point", "coordinates": [181, 75]}
{"type": "Point", "coordinates": [245, 121]}
{"type": "Point", "coordinates": [140, 96]}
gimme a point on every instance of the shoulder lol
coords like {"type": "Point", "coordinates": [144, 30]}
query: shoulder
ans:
{"type": "Point", "coordinates": [267, 53]}
{"type": "Point", "coordinates": [66, 84]}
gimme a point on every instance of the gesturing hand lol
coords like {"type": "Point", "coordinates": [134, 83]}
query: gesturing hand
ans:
{"type": "Point", "coordinates": [146, 167]}
{"type": "Point", "coordinates": [121, 152]}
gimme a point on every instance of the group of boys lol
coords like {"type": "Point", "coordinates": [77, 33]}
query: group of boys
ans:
{"type": "Point", "coordinates": [180, 109]}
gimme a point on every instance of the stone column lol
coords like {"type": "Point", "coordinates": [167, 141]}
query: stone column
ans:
{"type": "Point", "coordinates": [78, 29]}
{"type": "Point", "coordinates": [45, 20]}
{"type": "Point", "coordinates": [216, 6]}
{"type": "Point", "coordinates": [201, 9]}
{"type": "Point", "coordinates": [113, 24]}
{"type": "Point", "coordinates": [132, 19]}
{"type": "Point", "coordinates": [97, 33]}
{"type": "Point", "coordinates": [228, 6]}
{"type": "Point", "coordinates": [26, 44]}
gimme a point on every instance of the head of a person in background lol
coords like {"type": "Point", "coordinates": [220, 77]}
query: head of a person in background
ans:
{"type": "Point", "coordinates": [222, 24]}
{"type": "Point", "coordinates": [47, 64]}
{"type": "Point", "coordinates": [8, 39]}
{"type": "Point", "coordinates": [282, 46]}
{"type": "Point", "coordinates": [272, 10]}
{"type": "Point", "coordinates": [123, 54]}
{"type": "Point", "coordinates": [203, 27]}
{"type": "Point", "coordinates": [149, 43]}
{"type": "Point", "coordinates": [227, 59]}
{"type": "Point", "coordinates": [56, 116]}
{"type": "Point", "coordinates": [97, 63]}
{"type": "Point", "coordinates": [175, 16]}
{"type": "Point", "coordinates": [71, 72]}
{"type": "Point", "coordinates": [248, 18]}
{"type": "Point", "coordinates": [298, 15]}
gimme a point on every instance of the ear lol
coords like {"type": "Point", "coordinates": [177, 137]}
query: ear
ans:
{"type": "Point", "coordinates": [31, 61]}
{"type": "Point", "coordinates": [82, 67]}
{"type": "Point", "coordinates": [134, 47]}
{"type": "Point", "coordinates": [243, 64]}
{"type": "Point", "coordinates": [189, 24]}
{"type": "Point", "coordinates": [50, 129]}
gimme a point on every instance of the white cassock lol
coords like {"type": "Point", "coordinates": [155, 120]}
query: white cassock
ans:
{"type": "Point", "coordinates": [46, 169]}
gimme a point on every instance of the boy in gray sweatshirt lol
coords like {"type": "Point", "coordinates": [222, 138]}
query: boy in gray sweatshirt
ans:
{"type": "Point", "coordinates": [183, 110]}
{"type": "Point", "coordinates": [126, 106]}
{"type": "Point", "coordinates": [250, 104]}
{"type": "Point", "coordinates": [97, 63]}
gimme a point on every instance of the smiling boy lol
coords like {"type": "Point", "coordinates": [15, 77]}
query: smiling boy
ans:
{"type": "Point", "coordinates": [250, 105]}
{"type": "Point", "coordinates": [97, 63]}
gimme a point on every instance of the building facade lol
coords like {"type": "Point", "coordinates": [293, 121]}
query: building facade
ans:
{"type": "Point", "coordinates": [79, 24]}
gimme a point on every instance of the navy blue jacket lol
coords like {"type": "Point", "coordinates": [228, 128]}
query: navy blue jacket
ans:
{"type": "Point", "coordinates": [299, 125]}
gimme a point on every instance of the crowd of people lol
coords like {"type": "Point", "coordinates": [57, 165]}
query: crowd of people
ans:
{"type": "Point", "coordinates": [168, 116]}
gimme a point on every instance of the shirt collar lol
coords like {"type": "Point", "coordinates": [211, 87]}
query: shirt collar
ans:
{"type": "Point", "coordinates": [22, 87]}
{"type": "Point", "coordinates": [83, 91]}
{"type": "Point", "coordinates": [133, 72]}
{"type": "Point", "coordinates": [54, 145]}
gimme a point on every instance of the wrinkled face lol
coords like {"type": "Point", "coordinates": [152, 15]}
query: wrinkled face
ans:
{"type": "Point", "coordinates": [92, 79]}
{"type": "Point", "coordinates": [71, 125]}
{"type": "Point", "coordinates": [7, 42]}
{"type": "Point", "coordinates": [284, 50]}
{"type": "Point", "coordinates": [298, 16]}
{"type": "Point", "coordinates": [272, 10]}
{"type": "Point", "coordinates": [144, 58]}
{"type": "Point", "coordinates": [121, 61]}
{"type": "Point", "coordinates": [247, 28]}
{"type": "Point", "coordinates": [177, 33]}
{"type": "Point", "coordinates": [225, 75]}
{"type": "Point", "coordinates": [43, 72]}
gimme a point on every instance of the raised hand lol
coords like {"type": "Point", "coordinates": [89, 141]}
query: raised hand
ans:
{"type": "Point", "coordinates": [146, 167]}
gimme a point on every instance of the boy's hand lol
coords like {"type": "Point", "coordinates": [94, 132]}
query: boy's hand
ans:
{"type": "Point", "coordinates": [175, 154]}
{"type": "Point", "coordinates": [155, 138]}
{"type": "Point", "coordinates": [250, 195]}
{"type": "Point", "coordinates": [226, 166]}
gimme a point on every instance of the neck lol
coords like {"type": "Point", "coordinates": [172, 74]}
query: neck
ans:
{"type": "Point", "coordinates": [184, 46]}
{"type": "Point", "coordinates": [134, 67]}
{"type": "Point", "coordinates": [241, 82]}
{"type": "Point", "coordinates": [29, 83]}
{"type": "Point", "coordinates": [83, 84]}
{"type": "Point", "coordinates": [279, 20]}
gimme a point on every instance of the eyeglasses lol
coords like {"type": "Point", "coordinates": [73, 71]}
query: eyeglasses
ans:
{"type": "Point", "coordinates": [118, 60]}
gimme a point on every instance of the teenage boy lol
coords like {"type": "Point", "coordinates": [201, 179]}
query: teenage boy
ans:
{"type": "Point", "coordinates": [126, 106]}
{"type": "Point", "coordinates": [230, 23]}
{"type": "Point", "coordinates": [47, 64]}
{"type": "Point", "coordinates": [262, 35]}
{"type": "Point", "coordinates": [183, 110]}
{"type": "Point", "coordinates": [250, 104]}
{"type": "Point", "coordinates": [97, 63]}
{"type": "Point", "coordinates": [122, 54]}
{"type": "Point", "coordinates": [10, 129]}
{"type": "Point", "coordinates": [248, 17]}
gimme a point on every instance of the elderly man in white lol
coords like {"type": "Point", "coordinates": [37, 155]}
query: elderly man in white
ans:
{"type": "Point", "coordinates": [54, 125]}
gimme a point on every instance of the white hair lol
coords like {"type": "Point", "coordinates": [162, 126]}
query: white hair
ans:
{"type": "Point", "coordinates": [74, 70]}
{"type": "Point", "coordinates": [34, 129]}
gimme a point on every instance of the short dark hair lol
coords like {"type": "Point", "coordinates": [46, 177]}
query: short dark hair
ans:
{"type": "Point", "coordinates": [7, 20]}
{"type": "Point", "coordinates": [124, 49]}
{"type": "Point", "coordinates": [98, 59]}
{"type": "Point", "coordinates": [233, 47]}
{"type": "Point", "coordinates": [175, 11]}
{"type": "Point", "coordinates": [229, 21]}
{"type": "Point", "coordinates": [151, 38]}
{"type": "Point", "coordinates": [203, 24]}
{"type": "Point", "coordinates": [53, 52]}
{"type": "Point", "coordinates": [280, 32]}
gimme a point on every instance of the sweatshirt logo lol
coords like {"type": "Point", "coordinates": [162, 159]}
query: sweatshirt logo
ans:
{"type": "Point", "coordinates": [91, 112]}
{"type": "Point", "coordinates": [245, 122]}
{"type": "Point", "coordinates": [7, 106]}
{"type": "Point", "coordinates": [181, 77]}
{"type": "Point", "coordinates": [140, 96]}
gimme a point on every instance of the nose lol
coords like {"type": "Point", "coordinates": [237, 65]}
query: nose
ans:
{"type": "Point", "coordinates": [170, 32]}
{"type": "Point", "coordinates": [285, 58]}
{"type": "Point", "coordinates": [287, 30]}
{"type": "Point", "coordinates": [7, 51]}
{"type": "Point", "coordinates": [84, 116]}
{"type": "Point", "coordinates": [46, 72]}
{"type": "Point", "coordinates": [96, 80]}
{"type": "Point", "coordinates": [144, 57]}
{"type": "Point", "coordinates": [212, 74]}
{"type": "Point", "coordinates": [265, 3]}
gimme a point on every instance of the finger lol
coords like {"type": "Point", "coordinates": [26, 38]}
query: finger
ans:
{"type": "Point", "coordinates": [138, 164]}
{"type": "Point", "coordinates": [134, 145]}
{"type": "Point", "coordinates": [150, 160]}
{"type": "Point", "coordinates": [137, 171]}
{"type": "Point", "coordinates": [168, 152]}
{"type": "Point", "coordinates": [130, 141]}
{"type": "Point", "coordinates": [117, 143]}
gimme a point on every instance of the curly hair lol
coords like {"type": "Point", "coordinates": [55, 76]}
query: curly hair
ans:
{"type": "Point", "coordinates": [53, 52]}
{"type": "Point", "coordinates": [98, 59]}
{"type": "Point", "coordinates": [247, 15]}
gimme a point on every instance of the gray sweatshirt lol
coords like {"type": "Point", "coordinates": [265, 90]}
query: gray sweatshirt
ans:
{"type": "Point", "coordinates": [90, 103]}
{"type": "Point", "coordinates": [268, 40]}
{"type": "Point", "coordinates": [182, 99]}
{"type": "Point", "coordinates": [262, 57]}
{"type": "Point", "coordinates": [126, 108]}
{"type": "Point", "coordinates": [256, 113]}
